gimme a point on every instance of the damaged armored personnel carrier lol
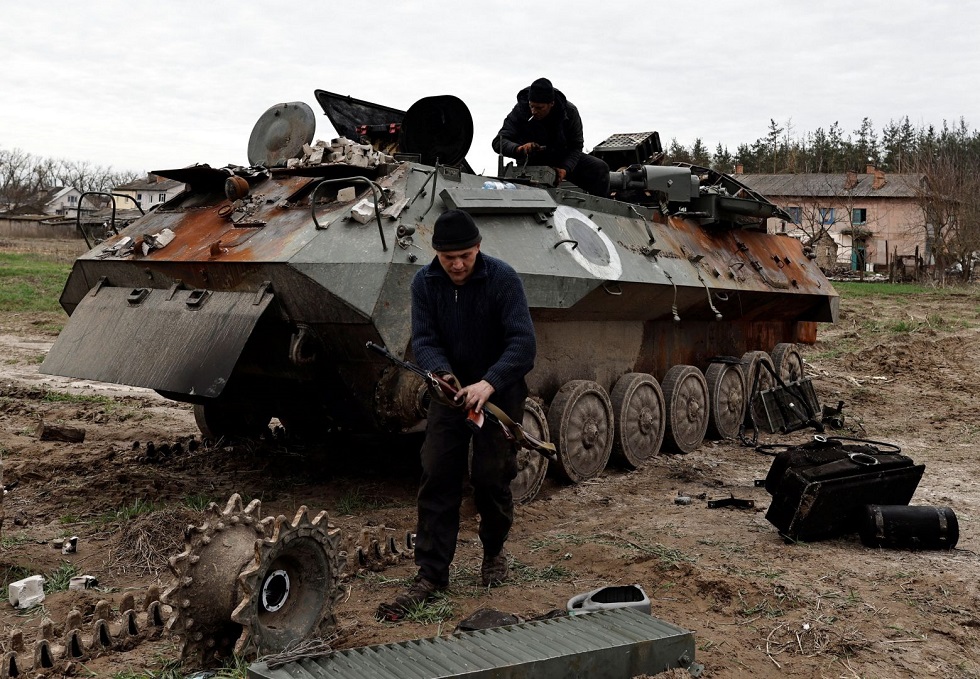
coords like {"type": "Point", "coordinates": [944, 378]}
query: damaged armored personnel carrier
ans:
{"type": "Point", "coordinates": [252, 294]}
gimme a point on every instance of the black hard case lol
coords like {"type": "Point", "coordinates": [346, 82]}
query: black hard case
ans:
{"type": "Point", "coordinates": [821, 492]}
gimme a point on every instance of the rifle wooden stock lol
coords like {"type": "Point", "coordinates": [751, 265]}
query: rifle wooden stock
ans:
{"type": "Point", "coordinates": [512, 430]}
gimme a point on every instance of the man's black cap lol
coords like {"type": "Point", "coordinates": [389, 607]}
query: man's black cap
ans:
{"type": "Point", "coordinates": [455, 230]}
{"type": "Point", "coordinates": [541, 91]}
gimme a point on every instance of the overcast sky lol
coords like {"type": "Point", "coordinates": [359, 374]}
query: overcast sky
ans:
{"type": "Point", "coordinates": [155, 85]}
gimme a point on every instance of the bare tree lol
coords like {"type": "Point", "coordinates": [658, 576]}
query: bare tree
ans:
{"type": "Point", "coordinates": [949, 198]}
{"type": "Point", "coordinates": [23, 176]}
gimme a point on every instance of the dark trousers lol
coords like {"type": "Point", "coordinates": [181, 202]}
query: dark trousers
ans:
{"type": "Point", "coordinates": [592, 174]}
{"type": "Point", "coordinates": [444, 461]}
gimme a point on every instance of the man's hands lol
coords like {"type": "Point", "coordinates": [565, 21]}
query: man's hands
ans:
{"type": "Point", "coordinates": [474, 396]}
{"type": "Point", "coordinates": [528, 148]}
{"type": "Point", "coordinates": [561, 173]}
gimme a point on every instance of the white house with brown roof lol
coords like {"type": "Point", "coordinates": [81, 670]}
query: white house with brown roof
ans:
{"type": "Point", "coordinates": [60, 201]}
{"type": "Point", "coordinates": [858, 219]}
{"type": "Point", "coordinates": [149, 192]}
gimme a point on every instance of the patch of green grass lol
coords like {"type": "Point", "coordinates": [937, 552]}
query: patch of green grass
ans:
{"type": "Point", "coordinates": [855, 289]}
{"type": "Point", "coordinates": [169, 669]}
{"type": "Point", "coordinates": [354, 501]}
{"type": "Point", "coordinates": [9, 541]}
{"type": "Point", "coordinates": [903, 326]}
{"type": "Point", "coordinates": [10, 574]}
{"type": "Point", "coordinates": [870, 325]}
{"type": "Point", "coordinates": [438, 610]}
{"type": "Point", "coordinates": [138, 508]}
{"type": "Point", "coordinates": [81, 399]}
{"type": "Point", "coordinates": [66, 519]}
{"type": "Point", "coordinates": [521, 573]}
{"type": "Point", "coordinates": [125, 513]}
{"type": "Point", "coordinates": [31, 283]}
{"type": "Point", "coordinates": [198, 502]}
{"type": "Point", "coordinates": [58, 579]}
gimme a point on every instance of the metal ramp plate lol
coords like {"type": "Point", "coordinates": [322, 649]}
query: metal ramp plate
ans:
{"type": "Point", "coordinates": [185, 341]}
{"type": "Point", "coordinates": [607, 644]}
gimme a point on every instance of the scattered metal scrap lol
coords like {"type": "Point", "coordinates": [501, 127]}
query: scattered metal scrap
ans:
{"type": "Point", "coordinates": [108, 631]}
{"type": "Point", "coordinates": [731, 501]}
{"type": "Point", "coordinates": [253, 585]}
{"type": "Point", "coordinates": [377, 551]}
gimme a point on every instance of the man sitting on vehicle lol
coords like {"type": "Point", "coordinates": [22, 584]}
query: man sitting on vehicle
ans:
{"type": "Point", "coordinates": [544, 128]}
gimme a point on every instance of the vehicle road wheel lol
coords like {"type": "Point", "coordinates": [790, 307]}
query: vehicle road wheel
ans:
{"type": "Point", "coordinates": [219, 419]}
{"type": "Point", "coordinates": [726, 390]}
{"type": "Point", "coordinates": [788, 362]}
{"type": "Point", "coordinates": [531, 466]}
{"type": "Point", "coordinates": [750, 363]}
{"type": "Point", "coordinates": [580, 421]}
{"type": "Point", "coordinates": [639, 411]}
{"type": "Point", "coordinates": [686, 396]}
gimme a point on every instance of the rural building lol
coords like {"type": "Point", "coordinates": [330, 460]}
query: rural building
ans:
{"type": "Point", "coordinates": [149, 192]}
{"type": "Point", "coordinates": [56, 201]}
{"type": "Point", "coordinates": [859, 221]}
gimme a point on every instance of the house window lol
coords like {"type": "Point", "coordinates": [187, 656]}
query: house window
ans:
{"type": "Point", "coordinates": [795, 213]}
{"type": "Point", "coordinates": [859, 215]}
{"type": "Point", "coordinates": [139, 197]}
{"type": "Point", "coordinates": [161, 198]}
{"type": "Point", "coordinates": [72, 200]}
{"type": "Point", "coordinates": [826, 216]}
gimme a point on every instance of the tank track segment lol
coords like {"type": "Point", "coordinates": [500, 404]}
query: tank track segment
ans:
{"type": "Point", "coordinates": [251, 585]}
{"type": "Point", "coordinates": [59, 648]}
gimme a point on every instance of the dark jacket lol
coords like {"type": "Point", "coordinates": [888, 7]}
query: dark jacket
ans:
{"type": "Point", "coordinates": [480, 330]}
{"type": "Point", "coordinates": [560, 133]}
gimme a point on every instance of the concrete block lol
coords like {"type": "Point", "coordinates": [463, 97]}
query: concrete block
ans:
{"type": "Point", "coordinates": [347, 194]}
{"type": "Point", "coordinates": [27, 592]}
{"type": "Point", "coordinates": [363, 212]}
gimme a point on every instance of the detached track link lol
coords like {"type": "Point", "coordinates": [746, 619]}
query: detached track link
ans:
{"type": "Point", "coordinates": [252, 585]}
{"type": "Point", "coordinates": [106, 633]}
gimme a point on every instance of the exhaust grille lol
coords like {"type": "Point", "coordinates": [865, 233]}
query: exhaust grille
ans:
{"type": "Point", "coordinates": [609, 644]}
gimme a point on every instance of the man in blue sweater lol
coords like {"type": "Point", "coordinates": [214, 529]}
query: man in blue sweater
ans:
{"type": "Point", "coordinates": [470, 319]}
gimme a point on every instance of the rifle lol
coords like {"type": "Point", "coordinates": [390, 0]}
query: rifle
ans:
{"type": "Point", "coordinates": [512, 430]}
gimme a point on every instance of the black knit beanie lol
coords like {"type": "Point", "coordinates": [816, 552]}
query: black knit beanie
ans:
{"type": "Point", "coordinates": [455, 230]}
{"type": "Point", "coordinates": [541, 91]}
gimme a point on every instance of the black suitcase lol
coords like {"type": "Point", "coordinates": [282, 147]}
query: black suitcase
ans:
{"type": "Point", "coordinates": [820, 489]}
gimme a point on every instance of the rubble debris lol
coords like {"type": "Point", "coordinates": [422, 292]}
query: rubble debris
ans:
{"type": "Point", "coordinates": [27, 592]}
{"type": "Point", "coordinates": [157, 241]}
{"type": "Point", "coordinates": [605, 598]}
{"type": "Point", "coordinates": [57, 432]}
{"type": "Point", "coordinates": [82, 582]}
{"type": "Point", "coordinates": [731, 501]}
{"type": "Point", "coordinates": [363, 212]}
{"type": "Point", "coordinates": [682, 500]}
{"type": "Point", "coordinates": [486, 618]}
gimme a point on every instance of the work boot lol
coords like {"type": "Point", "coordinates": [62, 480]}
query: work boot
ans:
{"type": "Point", "coordinates": [494, 570]}
{"type": "Point", "coordinates": [420, 591]}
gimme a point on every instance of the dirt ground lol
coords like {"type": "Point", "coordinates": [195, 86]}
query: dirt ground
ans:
{"type": "Point", "coordinates": [758, 606]}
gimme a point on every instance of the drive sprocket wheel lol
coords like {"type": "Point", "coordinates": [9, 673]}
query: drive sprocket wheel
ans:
{"type": "Point", "coordinates": [252, 585]}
